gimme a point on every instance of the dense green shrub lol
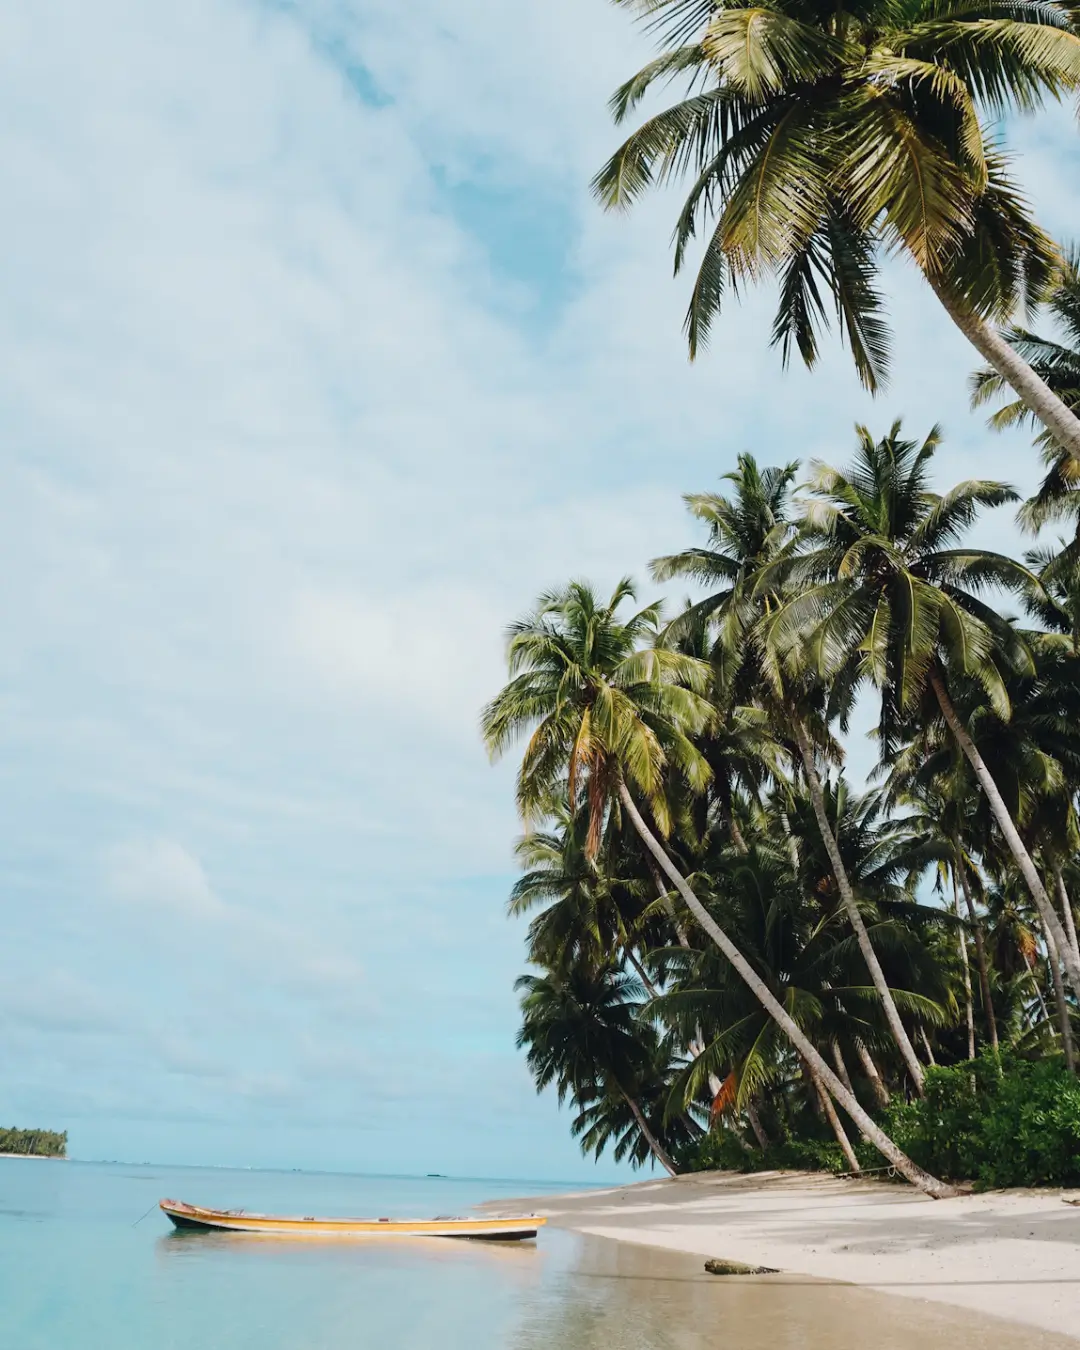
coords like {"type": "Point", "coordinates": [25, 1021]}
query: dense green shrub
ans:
{"type": "Point", "coordinates": [1019, 1126]}
{"type": "Point", "coordinates": [1013, 1125]}
{"type": "Point", "coordinates": [40, 1143]}
{"type": "Point", "coordinates": [720, 1151]}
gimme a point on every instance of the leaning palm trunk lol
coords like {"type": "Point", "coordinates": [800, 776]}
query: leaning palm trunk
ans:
{"type": "Point", "coordinates": [980, 953]}
{"type": "Point", "coordinates": [969, 1013]}
{"type": "Point", "coordinates": [841, 1066]}
{"type": "Point", "coordinates": [881, 1092]}
{"type": "Point", "coordinates": [1062, 1004]}
{"type": "Point", "coordinates": [698, 1044]}
{"type": "Point", "coordinates": [1033, 392]}
{"type": "Point", "coordinates": [833, 1119]}
{"type": "Point", "coordinates": [659, 1152]}
{"type": "Point", "coordinates": [669, 907]}
{"type": "Point", "coordinates": [1035, 985]}
{"type": "Point", "coordinates": [923, 1180]}
{"type": "Point", "coordinates": [641, 973]}
{"type": "Point", "coordinates": [847, 895]}
{"type": "Point", "coordinates": [965, 966]}
{"type": "Point", "coordinates": [756, 1125]}
{"type": "Point", "coordinates": [1030, 873]}
{"type": "Point", "coordinates": [1067, 912]}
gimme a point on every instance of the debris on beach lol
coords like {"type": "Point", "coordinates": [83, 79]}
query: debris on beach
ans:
{"type": "Point", "coordinates": [737, 1268]}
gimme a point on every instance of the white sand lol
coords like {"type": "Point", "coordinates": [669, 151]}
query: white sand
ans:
{"type": "Point", "coordinates": [1013, 1254]}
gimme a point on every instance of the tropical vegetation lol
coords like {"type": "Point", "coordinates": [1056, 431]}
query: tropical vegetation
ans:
{"type": "Point", "coordinates": [34, 1143]}
{"type": "Point", "coordinates": [743, 956]}
{"type": "Point", "coordinates": [817, 138]}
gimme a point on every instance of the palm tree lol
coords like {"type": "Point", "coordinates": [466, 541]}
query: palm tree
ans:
{"type": "Point", "coordinates": [750, 533]}
{"type": "Point", "coordinates": [738, 744]}
{"type": "Point", "coordinates": [585, 912]}
{"type": "Point", "coordinates": [582, 1033]}
{"type": "Point", "coordinates": [746, 531]}
{"type": "Point", "coordinates": [801, 949]}
{"type": "Point", "coordinates": [607, 1120]}
{"type": "Point", "coordinates": [609, 715]}
{"type": "Point", "coordinates": [883, 589]}
{"type": "Point", "coordinates": [793, 711]}
{"type": "Point", "coordinates": [817, 136]}
{"type": "Point", "coordinates": [1057, 364]}
{"type": "Point", "coordinates": [941, 808]}
{"type": "Point", "coordinates": [1012, 940]}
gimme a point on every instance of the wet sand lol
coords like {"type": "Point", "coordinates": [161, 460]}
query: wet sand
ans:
{"type": "Point", "coordinates": [1007, 1263]}
{"type": "Point", "coordinates": [626, 1296]}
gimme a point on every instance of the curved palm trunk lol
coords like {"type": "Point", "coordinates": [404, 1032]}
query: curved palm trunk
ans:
{"type": "Point", "coordinates": [881, 1092]}
{"type": "Point", "coordinates": [847, 895]}
{"type": "Point", "coordinates": [695, 1047]}
{"type": "Point", "coordinates": [640, 969]}
{"type": "Point", "coordinates": [737, 835]}
{"type": "Point", "coordinates": [659, 1152]}
{"type": "Point", "coordinates": [1067, 911]}
{"type": "Point", "coordinates": [923, 1180]}
{"type": "Point", "coordinates": [669, 907]}
{"type": "Point", "coordinates": [1035, 985]}
{"type": "Point", "coordinates": [966, 967]}
{"type": "Point", "coordinates": [980, 953]}
{"type": "Point", "coordinates": [927, 1047]}
{"type": "Point", "coordinates": [841, 1066]}
{"type": "Point", "coordinates": [756, 1125]}
{"type": "Point", "coordinates": [833, 1119]}
{"type": "Point", "coordinates": [1030, 873]}
{"type": "Point", "coordinates": [1033, 392]}
{"type": "Point", "coordinates": [1064, 1020]}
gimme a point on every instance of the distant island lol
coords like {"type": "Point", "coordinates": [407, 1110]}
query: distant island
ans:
{"type": "Point", "coordinates": [33, 1143]}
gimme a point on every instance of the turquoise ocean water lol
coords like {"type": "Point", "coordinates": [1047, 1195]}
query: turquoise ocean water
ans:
{"type": "Point", "coordinates": [83, 1266]}
{"type": "Point", "coordinates": [80, 1267]}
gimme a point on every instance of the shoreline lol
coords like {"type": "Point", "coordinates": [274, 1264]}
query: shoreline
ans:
{"type": "Point", "coordinates": [40, 1157]}
{"type": "Point", "coordinates": [1006, 1254]}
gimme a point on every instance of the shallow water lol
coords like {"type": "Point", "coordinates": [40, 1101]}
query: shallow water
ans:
{"type": "Point", "coordinates": [80, 1267]}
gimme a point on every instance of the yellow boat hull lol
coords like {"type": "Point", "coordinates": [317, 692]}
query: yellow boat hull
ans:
{"type": "Point", "coordinates": [518, 1228]}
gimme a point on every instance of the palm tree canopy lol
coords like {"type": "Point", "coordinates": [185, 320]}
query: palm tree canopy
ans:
{"type": "Point", "coordinates": [881, 576]}
{"type": "Point", "coordinates": [814, 134]}
{"type": "Point", "coordinates": [1056, 360]}
{"type": "Point", "coordinates": [603, 701]}
{"type": "Point", "coordinates": [746, 531]}
{"type": "Point", "coordinates": [580, 1027]}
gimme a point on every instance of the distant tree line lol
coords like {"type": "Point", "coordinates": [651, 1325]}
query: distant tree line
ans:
{"type": "Point", "coordinates": [41, 1143]}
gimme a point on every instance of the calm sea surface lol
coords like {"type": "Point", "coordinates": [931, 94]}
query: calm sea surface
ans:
{"type": "Point", "coordinates": [81, 1269]}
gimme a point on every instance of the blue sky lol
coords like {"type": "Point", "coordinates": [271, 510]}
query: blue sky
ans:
{"type": "Point", "coordinates": [316, 364]}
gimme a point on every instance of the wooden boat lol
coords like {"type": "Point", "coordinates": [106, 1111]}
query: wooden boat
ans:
{"type": "Point", "coordinates": [514, 1229]}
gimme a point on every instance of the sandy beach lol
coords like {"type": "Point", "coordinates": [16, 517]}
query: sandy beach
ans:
{"type": "Point", "coordinates": [1013, 1255]}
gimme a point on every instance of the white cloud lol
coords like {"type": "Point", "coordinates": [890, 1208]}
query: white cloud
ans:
{"type": "Point", "coordinates": [156, 873]}
{"type": "Point", "coordinates": [165, 880]}
{"type": "Point", "coordinates": [54, 1000]}
{"type": "Point", "coordinates": [305, 397]}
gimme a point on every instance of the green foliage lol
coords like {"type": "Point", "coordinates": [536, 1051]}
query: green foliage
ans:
{"type": "Point", "coordinates": [1019, 1127]}
{"type": "Point", "coordinates": [38, 1143]}
{"type": "Point", "coordinates": [683, 753]}
{"type": "Point", "coordinates": [812, 139]}
{"type": "Point", "coordinates": [1014, 1126]}
{"type": "Point", "coordinates": [1057, 364]}
{"type": "Point", "coordinates": [720, 1151]}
